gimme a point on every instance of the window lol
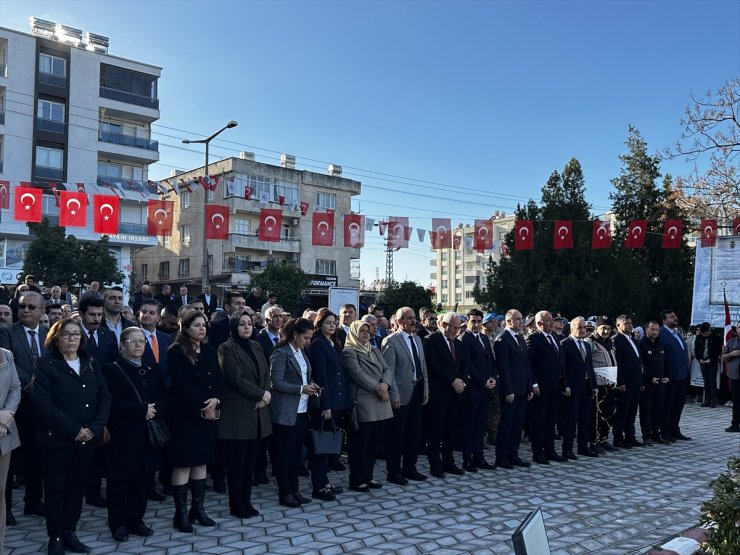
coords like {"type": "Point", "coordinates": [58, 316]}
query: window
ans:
{"type": "Point", "coordinates": [326, 201]}
{"type": "Point", "coordinates": [458, 297]}
{"type": "Point", "coordinates": [241, 225]}
{"type": "Point", "coordinates": [166, 241]}
{"type": "Point", "coordinates": [444, 284]}
{"type": "Point", "coordinates": [49, 162]}
{"type": "Point", "coordinates": [444, 270]}
{"type": "Point", "coordinates": [458, 283]}
{"type": "Point", "coordinates": [469, 280]}
{"type": "Point", "coordinates": [164, 270]}
{"type": "Point", "coordinates": [145, 271]}
{"type": "Point", "coordinates": [183, 267]}
{"type": "Point", "coordinates": [443, 299]}
{"type": "Point", "coordinates": [286, 232]}
{"type": "Point", "coordinates": [184, 199]}
{"type": "Point", "coordinates": [326, 267]}
{"type": "Point", "coordinates": [184, 233]}
{"type": "Point", "coordinates": [269, 189]}
{"type": "Point", "coordinates": [468, 294]}
{"type": "Point", "coordinates": [112, 170]}
{"type": "Point", "coordinates": [444, 255]}
{"type": "Point", "coordinates": [53, 111]}
{"type": "Point", "coordinates": [53, 65]}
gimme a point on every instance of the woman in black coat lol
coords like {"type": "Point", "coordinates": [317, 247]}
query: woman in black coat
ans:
{"type": "Point", "coordinates": [193, 411]}
{"type": "Point", "coordinates": [72, 403]}
{"type": "Point", "coordinates": [136, 388]}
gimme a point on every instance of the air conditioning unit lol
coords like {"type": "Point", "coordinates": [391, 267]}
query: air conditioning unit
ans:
{"type": "Point", "coordinates": [335, 170]}
{"type": "Point", "coordinates": [294, 222]}
{"type": "Point", "coordinates": [287, 161]}
{"type": "Point", "coordinates": [246, 155]}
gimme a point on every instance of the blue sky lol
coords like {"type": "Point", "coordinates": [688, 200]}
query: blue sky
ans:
{"type": "Point", "coordinates": [471, 105]}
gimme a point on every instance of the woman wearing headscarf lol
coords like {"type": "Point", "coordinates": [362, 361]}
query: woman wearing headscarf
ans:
{"type": "Point", "coordinates": [10, 396]}
{"type": "Point", "coordinates": [291, 388]}
{"type": "Point", "coordinates": [137, 391]}
{"type": "Point", "coordinates": [245, 419]}
{"type": "Point", "coordinates": [71, 400]}
{"type": "Point", "coordinates": [370, 381]}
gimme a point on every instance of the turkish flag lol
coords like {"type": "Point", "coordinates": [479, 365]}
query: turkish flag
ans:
{"type": "Point", "coordinates": [354, 231]}
{"type": "Point", "coordinates": [672, 234]}
{"type": "Point", "coordinates": [708, 233]}
{"type": "Point", "coordinates": [398, 232]}
{"type": "Point", "coordinates": [563, 236]}
{"type": "Point", "coordinates": [217, 221]}
{"type": "Point", "coordinates": [736, 226]}
{"type": "Point", "coordinates": [304, 208]}
{"type": "Point", "coordinates": [281, 200]}
{"type": "Point", "coordinates": [456, 240]}
{"type": "Point", "coordinates": [523, 235]}
{"type": "Point", "coordinates": [105, 215]}
{"type": "Point", "coordinates": [56, 188]}
{"type": "Point", "coordinates": [81, 189]}
{"type": "Point", "coordinates": [159, 218]}
{"type": "Point", "coordinates": [72, 209]}
{"type": "Point", "coordinates": [602, 236]}
{"type": "Point", "coordinates": [27, 204]}
{"type": "Point", "coordinates": [271, 220]}
{"type": "Point", "coordinates": [635, 238]}
{"type": "Point", "coordinates": [441, 233]}
{"type": "Point", "coordinates": [322, 230]}
{"type": "Point", "coordinates": [483, 235]}
{"type": "Point", "coordinates": [248, 193]}
{"type": "Point", "coordinates": [4, 195]}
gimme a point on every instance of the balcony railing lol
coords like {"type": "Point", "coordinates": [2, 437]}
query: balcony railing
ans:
{"type": "Point", "coordinates": [43, 124]}
{"type": "Point", "coordinates": [53, 80]}
{"type": "Point", "coordinates": [251, 241]}
{"type": "Point", "coordinates": [2, 115]}
{"type": "Point", "coordinates": [1, 166]}
{"type": "Point", "coordinates": [130, 98]}
{"type": "Point", "coordinates": [3, 70]}
{"type": "Point", "coordinates": [234, 264]}
{"type": "Point", "coordinates": [127, 140]}
{"type": "Point", "coordinates": [131, 228]}
{"type": "Point", "coordinates": [49, 173]}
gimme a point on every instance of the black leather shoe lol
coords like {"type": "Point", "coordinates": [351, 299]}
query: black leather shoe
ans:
{"type": "Point", "coordinates": [56, 547]}
{"type": "Point", "coordinates": [661, 441]}
{"type": "Point", "coordinates": [633, 442]}
{"type": "Point", "coordinates": [437, 472]}
{"type": "Point", "coordinates": [540, 459]}
{"type": "Point", "coordinates": [453, 469]}
{"type": "Point", "coordinates": [300, 498]}
{"type": "Point", "coordinates": [469, 467]}
{"type": "Point", "coordinates": [586, 452]}
{"type": "Point", "coordinates": [9, 519]}
{"type": "Point", "coordinates": [261, 479]}
{"type": "Point", "coordinates": [73, 543]}
{"type": "Point", "coordinates": [289, 501]}
{"type": "Point", "coordinates": [732, 429]}
{"type": "Point", "coordinates": [336, 465]}
{"type": "Point", "coordinates": [323, 494]}
{"type": "Point", "coordinates": [96, 500]}
{"type": "Point", "coordinates": [504, 464]}
{"type": "Point", "coordinates": [683, 437]}
{"type": "Point", "coordinates": [570, 455]}
{"type": "Point", "coordinates": [516, 461]}
{"type": "Point", "coordinates": [120, 534]}
{"type": "Point", "coordinates": [374, 484]}
{"type": "Point", "coordinates": [606, 446]}
{"type": "Point", "coordinates": [362, 488]}
{"type": "Point", "coordinates": [36, 508]}
{"type": "Point", "coordinates": [398, 480]}
{"type": "Point", "coordinates": [154, 495]}
{"type": "Point", "coordinates": [251, 511]}
{"type": "Point", "coordinates": [555, 457]}
{"type": "Point", "coordinates": [484, 464]}
{"type": "Point", "coordinates": [415, 475]}
{"type": "Point", "coordinates": [141, 530]}
{"type": "Point", "coordinates": [598, 448]}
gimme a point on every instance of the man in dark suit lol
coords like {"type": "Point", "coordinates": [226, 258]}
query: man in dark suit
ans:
{"type": "Point", "coordinates": [708, 348]}
{"type": "Point", "coordinates": [347, 315]}
{"type": "Point", "coordinates": [380, 333]}
{"type": "Point", "coordinates": [579, 381]}
{"type": "Point", "coordinates": [447, 370]}
{"type": "Point", "coordinates": [220, 331]}
{"type": "Point", "coordinates": [270, 335]}
{"type": "Point", "coordinates": [183, 298]}
{"type": "Point", "coordinates": [25, 339]}
{"type": "Point", "coordinates": [404, 354]}
{"type": "Point", "coordinates": [428, 319]}
{"type": "Point", "coordinates": [210, 301]}
{"type": "Point", "coordinates": [112, 307]}
{"type": "Point", "coordinates": [165, 297]}
{"type": "Point", "coordinates": [101, 343]}
{"type": "Point", "coordinates": [678, 372]}
{"type": "Point", "coordinates": [544, 357]}
{"type": "Point", "coordinates": [480, 382]}
{"type": "Point", "coordinates": [140, 296]}
{"type": "Point", "coordinates": [629, 384]}
{"type": "Point", "coordinates": [654, 380]}
{"type": "Point", "coordinates": [515, 389]}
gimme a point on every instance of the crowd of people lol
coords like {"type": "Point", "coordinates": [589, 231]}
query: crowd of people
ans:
{"type": "Point", "coordinates": [153, 403]}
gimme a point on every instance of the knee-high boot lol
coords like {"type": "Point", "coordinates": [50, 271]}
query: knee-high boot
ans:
{"type": "Point", "coordinates": [181, 522]}
{"type": "Point", "coordinates": [197, 513]}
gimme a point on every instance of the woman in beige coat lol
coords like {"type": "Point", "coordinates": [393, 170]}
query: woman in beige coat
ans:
{"type": "Point", "coordinates": [370, 381]}
{"type": "Point", "coordinates": [10, 396]}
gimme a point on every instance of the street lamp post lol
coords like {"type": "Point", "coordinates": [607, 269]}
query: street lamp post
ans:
{"type": "Point", "coordinates": [206, 141]}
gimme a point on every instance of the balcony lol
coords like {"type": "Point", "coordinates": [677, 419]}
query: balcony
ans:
{"type": "Point", "coordinates": [250, 241]}
{"type": "Point", "coordinates": [131, 228]}
{"type": "Point", "coordinates": [3, 70]}
{"type": "Point", "coordinates": [127, 140]}
{"type": "Point", "coordinates": [52, 80]}
{"type": "Point", "coordinates": [53, 126]}
{"type": "Point", "coordinates": [2, 117]}
{"type": "Point", "coordinates": [49, 173]}
{"type": "Point", "coordinates": [129, 98]}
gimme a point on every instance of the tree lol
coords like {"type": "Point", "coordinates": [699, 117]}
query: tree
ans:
{"type": "Point", "coordinates": [55, 258]}
{"type": "Point", "coordinates": [285, 280]}
{"type": "Point", "coordinates": [408, 294]}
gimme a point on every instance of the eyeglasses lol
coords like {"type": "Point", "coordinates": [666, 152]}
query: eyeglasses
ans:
{"type": "Point", "coordinates": [24, 306]}
{"type": "Point", "coordinates": [135, 341]}
{"type": "Point", "coordinates": [71, 336]}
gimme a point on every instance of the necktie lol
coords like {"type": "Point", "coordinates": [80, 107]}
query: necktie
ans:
{"type": "Point", "coordinates": [184, 300]}
{"type": "Point", "coordinates": [452, 348]}
{"type": "Point", "coordinates": [582, 349]}
{"type": "Point", "coordinates": [34, 346]}
{"type": "Point", "coordinates": [155, 345]}
{"type": "Point", "coordinates": [274, 340]}
{"type": "Point", "coordinates": [552, 343]}
{"type": "Point", "coordinates": [93, 343]}
{"type": "Point", "coordinates": [415, 353]}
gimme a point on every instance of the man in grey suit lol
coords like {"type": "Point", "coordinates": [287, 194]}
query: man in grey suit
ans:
{"type": "Point", "coordinates": [25, 339]}
{"type": "Point", "coordinates": [404, 354]}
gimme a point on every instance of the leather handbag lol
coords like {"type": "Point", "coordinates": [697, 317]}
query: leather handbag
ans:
{"type": "Point", "coordinates": [158, 434]}
{"type": "Point", "coordinates": [327, 441]}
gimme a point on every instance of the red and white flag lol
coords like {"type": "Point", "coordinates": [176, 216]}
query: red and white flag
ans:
{"type": "Point", "coordinates": [105, 215]}
{"type": "Point", "coordinates": [217, 221]}
{"type": "Point", "coordinates": [159, 218]}
{"type": "Point", "coordinates": [441, 233]}
{"type": "Point", "coordinates": [708, 233]}
{"type": "Point", "coordinates": [271, 220]}
{"type": "Point", "coordinates": [56, 188]}
{"type": "Point", "coordinates": [736, 226]}
{"type": "Point", "coordinates": [27, 204]}
{"type": "Point", "coordinates": [563, 236]}
{"type": "Point", "coordinates": [456, 242]}
{"type": "Point", "coordinates": [354, 231]}
{"type": "Point", "coordinates": [672, 234]}
{"type": "Point", "coordinates": [322, 230]}
{"type": "Point", "coordinates": [72, 209]}
{"type": "Point", "coordinates": [602, 236]}
{"type": "Point", "coordinates": [523, 235]}
{"type": "Point", "coordinates": [4, 195]}
{"type": "Point", "coordinates": [483, 235]}
{"type": "Point", "coordinates": [81, 189]}
{"type": "Point", "coordinates": [304, 208]}
{"type": "Point", "coordinates": [635, 238]}
{"type": "Point", "coordinates": [398, 232]}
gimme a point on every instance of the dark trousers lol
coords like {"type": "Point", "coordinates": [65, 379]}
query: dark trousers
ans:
{"type": "Point", "coordinates": [403, 436]}
{"type": "Point", "coordinates": [709, 373]}
{"type": "Point", "coordinates": [675, 397]}
{"type": "Point", "coordinates": [509, 433]}
{"type": "Point", "coordinates": [651, 410]}
{"type": "Point", "coordinates": [579, 410]}
{"type": "Point", "coordinates": [126, 501]}
{"type": "Point", "coordinates": [606, 407]}
{"type": "Point", "coordinates": [544, 412]}
{"type": "Point", "coordinates": [240, 456]}
{"type": "Point", "coordinates": [31, 467]}
{"type": "Point", "coordinates": [476, 404]}
{"type": "Point", "coordinates": [441, 423]}
{"type": "Point", "coordinates": [735, 386]}
{"type": "Point", "coordinates": [363, 446]}
{"type": "Point", "coordinates": [94, 482]}
{"type": "Point", "coordinates": [65, 472]}
{"type": "Point", "coordinates": [624, 419]}
{"type": "Point", "coordinates": [288, 454]}
{"type": "Point", "coordinates": [217, 469]}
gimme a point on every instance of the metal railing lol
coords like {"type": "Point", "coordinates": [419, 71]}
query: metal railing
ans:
{"type": "Point", "coordinates": [53, 80]}
{"type": "Point", "coordinates": [130, 98]}
{"type": "Point", "coordinates": [127, 140]}
{"type": "Point", "coordinates": [49, 173]}
{"type": "Point", "coordinates": [43, 124]}
{"type": "Point", "coordinates": [3, 70]}
{"type": "Point", "coordinates": [251, 241]}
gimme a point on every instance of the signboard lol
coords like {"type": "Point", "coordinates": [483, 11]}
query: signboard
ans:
{"type": "Point", "coordinates": [343, 295]}
{"type": "Point", "coordinates": [716, 271]}
{"type": "Point", "coordinates": [323, 281]}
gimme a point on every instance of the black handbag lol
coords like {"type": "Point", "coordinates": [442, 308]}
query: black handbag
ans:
{"type": "Point", "coordinates": [327, 441]}
{"type": "Point", "coordinates": [158, 434]}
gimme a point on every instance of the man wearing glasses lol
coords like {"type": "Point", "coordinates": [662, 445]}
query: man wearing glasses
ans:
{"type": "Point", "coordinates": [25, 339]}
{"type": "Point", "coordinates": [428, 319]}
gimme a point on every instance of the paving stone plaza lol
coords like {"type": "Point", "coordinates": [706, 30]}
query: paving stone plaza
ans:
{"type": "Point", "coordinates": [621, 503]}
